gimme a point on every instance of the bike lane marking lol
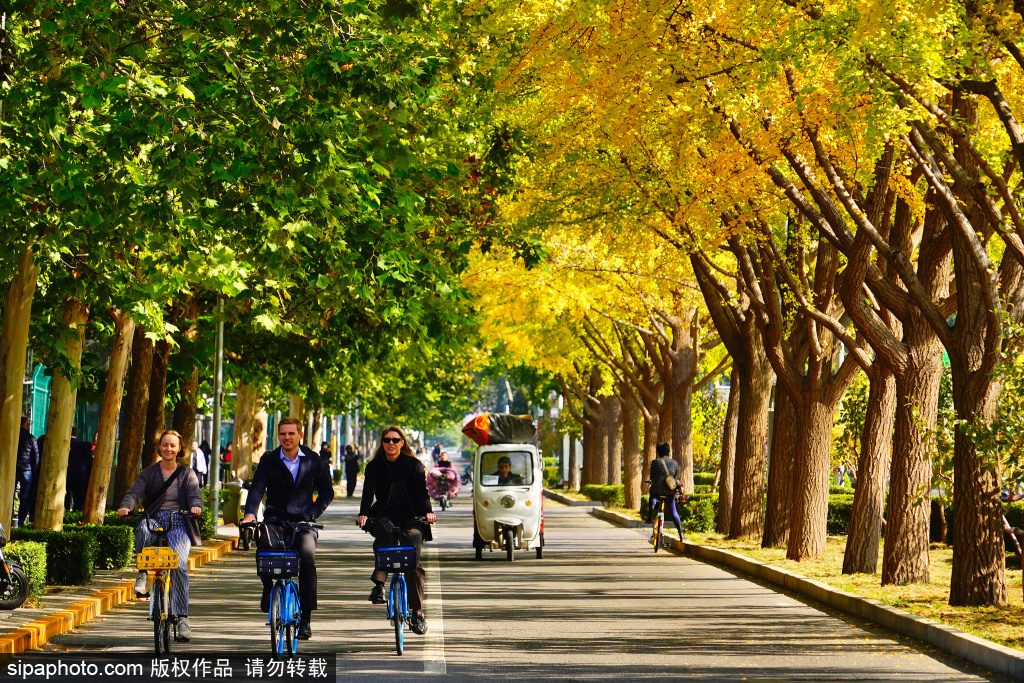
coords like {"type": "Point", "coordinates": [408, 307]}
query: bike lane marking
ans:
{"type": "Point", "coordinates": [433, 642]}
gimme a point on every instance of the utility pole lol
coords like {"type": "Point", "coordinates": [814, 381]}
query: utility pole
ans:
{"type": "Point", "coordinates": [218, 394]}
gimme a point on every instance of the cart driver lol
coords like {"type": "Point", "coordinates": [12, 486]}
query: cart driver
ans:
{"type": "Point", "coordinates": [505, 474]}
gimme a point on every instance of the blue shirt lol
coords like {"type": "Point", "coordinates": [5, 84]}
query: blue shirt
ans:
{"type": "Point", "coordinates": [292, 465]}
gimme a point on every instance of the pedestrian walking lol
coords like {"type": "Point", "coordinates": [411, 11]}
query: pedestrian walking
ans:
{"type": "Point", "coordinates": [436, 453]}
{"type": "Point", "coordinates": [165, 487]}
{"type": "Point", "coordinates": [199, 463]}
{"type": "Point", "coordinates": [351, 469]}
{"type": "Point", "coordinates": [79, 468]}
{"type": "Point", "coordinates": [327, 457]}
{"type": "Point", "coordinates": [225, 463]}
{"type": "Point", "coordinates": [26, 470]}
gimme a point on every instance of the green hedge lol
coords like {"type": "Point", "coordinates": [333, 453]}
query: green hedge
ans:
{"type": "Point", "coordinates": [115, 545]}
{"type": "Point", "coordinates": [703, 488]}
{"type": "Point", "coordinates": [336, 478]}
{"type": "Point", "coordinates": [839, 510]}
{"type": "Point", "coordinates": [70, 554]}
{"type": "Point", "coordinates": [550, 461]}
{"type": "Point", "coordinates": [552, 477]}
{"type": "Point", "coordinates": [703, 478]}
{"type": "Point", "coordinates": [609, 494]}
{"type": "Point", "coordinates": [207, 525]}
{"type": "Point", "coordinates": [32, 558]}
{"type": "Point", "coordinates": [840, 491]}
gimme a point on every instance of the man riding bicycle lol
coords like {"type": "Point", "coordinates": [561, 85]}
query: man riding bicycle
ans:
{"type": "Point", "coordinates": [289, 475]}
{"type": "Point", "coordinates": [661, 493]}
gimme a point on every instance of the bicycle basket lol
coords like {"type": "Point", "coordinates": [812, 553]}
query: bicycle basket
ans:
{"type": "Point", "coordinates": [156, 558]}
{"type": "Point", "coordinates": [396, 558]}
{"type": "Point", "coordinates": [276, 563]}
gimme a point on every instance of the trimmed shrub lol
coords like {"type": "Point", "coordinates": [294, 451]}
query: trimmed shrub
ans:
{"type": "Point", "coordinates": [839, 491]}
{"type": "Point", "coordinates": [207, 524]}
{"type": "Point", "coordinates": [552, 477]}
{"type": "Point", "coordinates": [70, 555]}
{"type": "Point", "coordinates": [609, 494]}
{"type": "Point", "coordinates": [337, 476]}
{"type": "Point", "coordinates": [32, 558]}
{"type": "Point", "coordinates": [698, 515]}
{"type": "Point", "coordinates": [72, 517]}
{"type": "Point", "coordinates": [839, 511]}
{"type": "Point", "coordinates": [111, 518]}
{"type": "Point", "coordinates": [645, 503]}
{"type": "Point", "coordinates": [703, 478]}
{"type": "Point", "coordinates": [703, 488]}
{"type": "Point", "coordinates": [115, 545]}
{"type": "Point", "coordinates": [551, 461]}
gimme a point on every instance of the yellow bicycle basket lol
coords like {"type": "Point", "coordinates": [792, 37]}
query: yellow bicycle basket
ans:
{"type": "Point", "coordinates": [157, 558]}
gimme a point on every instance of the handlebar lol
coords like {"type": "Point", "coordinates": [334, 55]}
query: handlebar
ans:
{"type": "Point", "coordinates": [302, 523]}
{"type": "Point", "coordinates": [143, 513]}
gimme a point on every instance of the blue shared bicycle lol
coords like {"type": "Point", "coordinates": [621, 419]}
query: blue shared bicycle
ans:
{"type": "Point", "coordinates": [397, 560]}
{"type": "Point", "coordinates": [282, 564]}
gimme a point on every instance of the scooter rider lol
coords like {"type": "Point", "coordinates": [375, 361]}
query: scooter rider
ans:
{"type": "Point", "coordinates": [289, 475]}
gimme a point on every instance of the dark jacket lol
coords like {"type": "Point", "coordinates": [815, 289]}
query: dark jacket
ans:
{"type": "Point", "coordinates": [377, 487]}
{"type": "Point", "coordinates": [149, 483]}
{"type": "Point", "coordinates": [79, 459]}
{"type": "Point", "coordinates": [290, 499]}
{"type": "Point", "coordinates": [28, 451]}
{"type": "Point", "coordinates": [668, 467]}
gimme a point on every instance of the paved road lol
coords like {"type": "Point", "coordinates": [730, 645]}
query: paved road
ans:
{"type": "Point", "coordinates": [600, 605]}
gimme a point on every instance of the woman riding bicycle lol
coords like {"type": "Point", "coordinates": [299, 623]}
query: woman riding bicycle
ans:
{"type": "Point", "coordinates": [166, 487]}
{"type": "Point", "coordinates": [662, 468]}
{"type": "Point", "coordinates": [395, 488]}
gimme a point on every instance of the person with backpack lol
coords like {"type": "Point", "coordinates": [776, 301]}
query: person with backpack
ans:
{"type": "Point", "coordinates": [664, 470]}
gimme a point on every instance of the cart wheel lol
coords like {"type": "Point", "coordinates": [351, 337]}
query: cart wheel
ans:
{"type": "Point", "coordinates": [479, 553]}
{"type": "Point", "coordinates": [509, 540]}
{"type": "Point", "coordinates": [540, 548]}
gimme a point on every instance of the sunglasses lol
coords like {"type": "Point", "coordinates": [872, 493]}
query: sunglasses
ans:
{"type": "Point", "coordinates": [391, 440]}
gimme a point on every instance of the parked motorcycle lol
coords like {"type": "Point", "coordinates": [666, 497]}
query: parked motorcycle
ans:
{"type": "Point", "coordinates": [14, 586]}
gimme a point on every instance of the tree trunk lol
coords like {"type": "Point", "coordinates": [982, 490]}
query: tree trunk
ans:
{"type": "Point", "coordinates": [682, 434]}
{"type": "Point", "coordinates": [810, 493]}
{"type": "Point", "coordinates": [755, 392]}
{"type": "Point", "coordinates": [17, 313]}
{"type": "Point", "coordinates": [613, 423]}
{"type": "Point", "coordinates": [631, 453]}
{"type": "Point", "coordinates": [861, 555]}
{"type": "Point", "coordinates": [590, 437]}
{"type": "Point", "coordinates": [665, 420]}
{"type": "Point", "coordinates": [650, 446]}
{"type": "Point", "coordinates": [133, 434]}
{"type": "Point", "coordinates": [979, 566]}
{"type": "Point", "coordinates": [184, 418]}
{"type": "Point", "coordinates": [574, 466]}
{"type": "Point", "coordinates": [110, 413]}
{"type": "Point", "coordinates": [728, 462]}
{"type": "Point", "coordinates": [781, 474]}
{"type": "Point", "coordinates": [247, 404]}
{"type": "Point", "coordinates": [52, 485]}
{"type": "Point", "coordinates": [155, 418]}
{"type": "Point", "coordinates": [905, 557]}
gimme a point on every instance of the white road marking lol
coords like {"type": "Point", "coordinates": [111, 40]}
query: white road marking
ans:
{"type": "Point", "coordinates": [433, 645]}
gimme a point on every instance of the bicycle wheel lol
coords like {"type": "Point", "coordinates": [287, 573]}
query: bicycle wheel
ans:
{"type": "Point", "coordinates": [509, 540]}
{"type": "Point", "coordinates": [17, 589]}
{"type": "Point", "coordinates": [658, 526]}
{"type": "Point", "coordinates": [156, 611]}
{"type": "Point", "coordinates": [277, 635]}
{"type": "Point", "coordinates": [397, 588]}
{"type": "Point", "coordinates": [293, 621]}
{"type": "Point", "coordinates": [166, 620]}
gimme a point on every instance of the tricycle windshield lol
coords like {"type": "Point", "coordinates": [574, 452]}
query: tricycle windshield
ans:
{"type": "Point", "coordinates": [506, 468]}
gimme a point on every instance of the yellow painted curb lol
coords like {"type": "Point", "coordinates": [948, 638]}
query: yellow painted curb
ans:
{"type": "Point", "coordinates": [37, 633]}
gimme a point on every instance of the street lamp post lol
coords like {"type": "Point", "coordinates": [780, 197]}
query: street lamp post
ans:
{"type": "Point", "coordinates": [218, 393]}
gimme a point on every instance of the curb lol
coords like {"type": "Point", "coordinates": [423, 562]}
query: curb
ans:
{"type": "Point", "coordinates": [565, 500]}
{"type": "Point", "coordinates": [35, 634]}
{"type": "Point", "coordinates": [617, 518]}
{"type": "Point", "coordinates": [978, 651]}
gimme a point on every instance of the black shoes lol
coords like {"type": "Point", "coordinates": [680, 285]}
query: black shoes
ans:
{"type": "Point", "coordinates": [305, 632]}
{"type": "Point", "coordinates": [419, 623]}
{"type": "Point", "coordinates": [377, 595]}
{"type": "Point", "coordinates": [265, 601]}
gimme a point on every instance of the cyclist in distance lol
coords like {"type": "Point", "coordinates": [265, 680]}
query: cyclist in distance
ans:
{"type": "Point", "coordinates": [662, 468]}
{"type": "Point", "coordinates": [289, 475]}
{"type": "Point", "coordinates": [167, 486]}
{"type": "Point", "coordinates": [395, 488]}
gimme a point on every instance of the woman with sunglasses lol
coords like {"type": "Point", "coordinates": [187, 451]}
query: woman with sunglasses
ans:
{"type": "Point", "coordinates": [395, 488]}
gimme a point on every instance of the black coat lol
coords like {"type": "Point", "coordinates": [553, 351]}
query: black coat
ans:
{"type": "Point", "coordinates": [291, 499]}
{"type": "Point", "coordinates": [28, 451]}
{"type": "Point", "coordinates": [79, 460]}
{"type": "Point", "coordinates": [377, 487]}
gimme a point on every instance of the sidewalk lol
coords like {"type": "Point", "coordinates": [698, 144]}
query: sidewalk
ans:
{"type": "Point", "coordinates": [62, 608]}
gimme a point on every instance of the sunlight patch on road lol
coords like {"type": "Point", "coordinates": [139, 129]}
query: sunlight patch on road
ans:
{"type": "Point", "coordinates": [433, 642]}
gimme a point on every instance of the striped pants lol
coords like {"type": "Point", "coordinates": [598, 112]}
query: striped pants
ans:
{"type": "Point", "coordinates": [179, 541]}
